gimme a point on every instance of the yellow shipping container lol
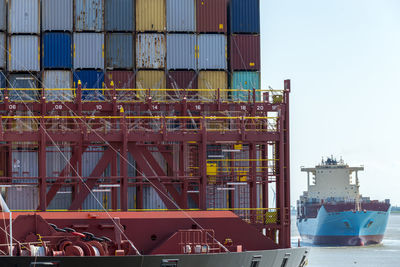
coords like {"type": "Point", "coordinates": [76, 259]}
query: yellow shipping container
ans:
{"type": "Point", "coordinates": [213, 80]}
{"type": "Point", "coordinates": [150, 16]}
{"type": "Point", "coordinates": [151, 79]}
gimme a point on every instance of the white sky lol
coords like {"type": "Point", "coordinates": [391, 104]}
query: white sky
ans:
{"type": "Point", "coordinates": [343, 57]}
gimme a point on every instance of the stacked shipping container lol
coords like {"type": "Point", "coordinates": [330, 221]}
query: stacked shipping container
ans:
{"type": "Point", "coordinates": [245, 48]}
{"type": "Point", "coordinates": [174, 44]}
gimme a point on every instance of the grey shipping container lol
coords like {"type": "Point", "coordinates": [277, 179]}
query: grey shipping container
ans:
{"type": "Point", "coordinates": [181, 16]}
{"type": "Point", "coordinates": [212, 51]}
{"type": "Point", "coordinates": [89, 15]}
{"type": "Point", "coordinates": [88, 50]}
{"type": "Point", "coordinates": [151, 199]}
{"type": "Point", "coordinates": [3, 50]}
{"type": "Point", "coordinates": [181, 51]}
{"type": "Point", "coordinates": [98, 199]}
{"type": "Point", "coordinates": [22, 198]}
{"type": "Point", "coordinates": [23, 81]}
{"type": "Point", "coordinates": [24, 53]}
{"type": "Point", "coordinates": [3, 15]}
{"type": "Point", "coordinates": [120, 15]}
{"type": "Point", "coordinates": [23, 16]}
{"type": "Point", "coordinates": [58, 79]}
{"type": "Point", "coordinates": [62, 200]}
{"type": "Point", "coordinates": [25, 164]}
{"type": "Point", "coordinates": [119, 51]}
{"type": "Point", "coordinates": [57, 160]}
{"type": "Point", "coordinates": [150, 51]}
{"type": "Point", "coordinates": [57, 15]}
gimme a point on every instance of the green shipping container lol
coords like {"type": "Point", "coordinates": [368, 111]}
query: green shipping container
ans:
{"type": "Point", "coordinates": [242, 82]}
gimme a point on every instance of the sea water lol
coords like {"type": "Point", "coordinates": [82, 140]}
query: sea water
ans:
{"type": "Point", "coordinates": [386, 254]}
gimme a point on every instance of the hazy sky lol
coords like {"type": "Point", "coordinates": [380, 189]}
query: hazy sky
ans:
{"type": "Point", "coordinates": [343, 57]}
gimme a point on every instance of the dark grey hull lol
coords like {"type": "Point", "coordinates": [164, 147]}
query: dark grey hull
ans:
{"type": "Point", "coordinates": [267, 258]}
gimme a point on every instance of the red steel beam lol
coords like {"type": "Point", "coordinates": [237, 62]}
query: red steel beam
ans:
{"type": "Point", "coordinates": [147, 169]}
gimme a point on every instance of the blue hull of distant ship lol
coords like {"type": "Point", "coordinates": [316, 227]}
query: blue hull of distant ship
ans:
{"type": "Point", "coordinates": [346, 228]}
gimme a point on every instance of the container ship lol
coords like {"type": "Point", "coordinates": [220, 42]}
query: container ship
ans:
{"type": "Point", "coordinates": [136, 133]}
{"type": "Point", "coordinates": [332, 211]}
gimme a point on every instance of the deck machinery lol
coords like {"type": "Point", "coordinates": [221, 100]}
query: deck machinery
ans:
{"type": "Point", "coordinates": [199, 140]}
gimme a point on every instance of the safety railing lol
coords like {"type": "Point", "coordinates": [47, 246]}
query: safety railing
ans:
{"type": "Point", "coordinates": [137, 95]}
{"type": "Point", "coordinates": [163, 124]}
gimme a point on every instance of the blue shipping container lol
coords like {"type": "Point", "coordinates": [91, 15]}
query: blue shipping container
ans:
{"type": "Point", "coordinates": [2, 84]}
{"type": "Point", "coordinates": [181, 16]}
{"type": "Point", "coordinates": [57, 51]}
{"type": "Point", "coordinates": [245, 16]}
{"type": "Point", "coordinates": [119, 15]}
{"type": "Point", "coordinates": [90, 79]}
{"type": "Point", "coordinates": [243, 82]}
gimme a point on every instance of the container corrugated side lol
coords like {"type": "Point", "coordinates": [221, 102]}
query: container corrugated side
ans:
{"type": "Point", "coordinates": [88, 51]}
{"type": "Point", "coordinates": [24, 164]}
{"type": "Point", "coordinates": [89, 15]}
{"type": "Point", "coordinates": [90, 79]}
{"type": "Point", "coordinates": [181, 51]}
{"type": "Point", "coordinates": [245, 52]}
{"type": "Point", "coordinates": [181, 15]}
{"type": "Point", "coordinates": [151, 199]}
{"type": "Point", "coordinates": [57, 15]}
{"type": "Point", "coordinates": [212, 16]}
{"type": "Point", "coordinates": [150, 15]}
{"type": "Point", "coordinates": [56, 51]}
{"type": "Point", "coordinates": [24, 16]}
{"type": "Point", "coordinates": [22, 198]}
{"type": "Point", "coordinates": [213, 80]}
{"type": "Point", "coordinates": [2, 84]}
{"type": "Point", "coordinates": [119, 15]}
{"type": "Point", "coordinates": [3, 15]}
{"type": "Point", "coordinates": [53, 79]}
{"type": "Point", "coordinates": [119, 51]}
{"type": "Point", "coordinates": [97, 200]}
{"type": "Point", "coordinates": [244, 16]}
{"type": "Point", "coordinates": [150, 51]}
{"type": "Point", "coordinates": [151, 79]}
{"type": "Point", "coordinates": [56, 160]}
{"type": "Point", "coordinates": [122, 80]}
{"type": "Point", "coordinates": [62, 200]}
{"type": "Point", "coordinates": [181, 80]}
{"type": "Point", "coordinates": [24, 53]}
{"type": "Point", "coordinates": [247, 80]}
{"type": "Point", "coordinates": [212, 52]}
{"type": "Point", "coordinates": [22, 81]}
{"type": "Point", "coordinates": [3, 50]}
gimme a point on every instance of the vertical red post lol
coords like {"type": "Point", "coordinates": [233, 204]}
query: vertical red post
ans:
{"type": "Point", "coordinates": [253, 180]}
{"type": "Point", "coordinates": [286, 143]}
{"type": "Point", "coordinates": [203, 165]}
{"type": "Point", "coordinates": [124, 166]}
{"type": "Point", "coordinates": [42, 167]}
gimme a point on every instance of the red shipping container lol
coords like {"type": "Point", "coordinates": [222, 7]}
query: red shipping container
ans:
{"type": "Point", "coordinates": [245, 52]}
{"type": "Point", "coordinates": [122, 80]}
{"type": "Point", "coordinates": [182, 80]}
{"type": "Point", "coordinates": [212, 16]}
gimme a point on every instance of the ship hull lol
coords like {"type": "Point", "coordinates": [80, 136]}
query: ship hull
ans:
{"type": "Point", "coordinates": [268, 258]}
{"type": "Point", "coordinates": [346, 228]}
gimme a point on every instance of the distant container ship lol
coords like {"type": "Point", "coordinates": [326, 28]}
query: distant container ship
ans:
{"type": "Point", "coordinates": [332, 211]}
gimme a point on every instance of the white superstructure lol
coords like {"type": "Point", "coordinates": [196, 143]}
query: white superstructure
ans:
{"type": "Point", "coordinates": [333, 179]}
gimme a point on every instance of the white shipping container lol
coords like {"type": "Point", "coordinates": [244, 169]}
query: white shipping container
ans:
{"type": "Point", "coordinates": [24, 16]}
{"type": "Point", "coordinates": [88, 51]}
{"type": "Point", "coordinates": [57, 15]}
{"type": "Point", "coordinates": [22, 198]}
{"type": "Point", "coordinates": [24, 53]}
{"type": "Point", "coordinates": [150, 51]}
{"type": "Point", "coordinates": [58, 79]}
